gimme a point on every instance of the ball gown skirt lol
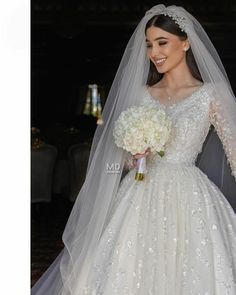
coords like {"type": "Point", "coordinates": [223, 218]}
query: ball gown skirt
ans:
{"type": "Point", "coordinates": [174, 234]}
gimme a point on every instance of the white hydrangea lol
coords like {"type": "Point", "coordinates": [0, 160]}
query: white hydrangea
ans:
{"type": "Point", "coordinates": [140, 127]}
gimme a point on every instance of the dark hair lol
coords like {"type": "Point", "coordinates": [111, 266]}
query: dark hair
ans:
{"type": "Point", "coordinates": [167, 24]}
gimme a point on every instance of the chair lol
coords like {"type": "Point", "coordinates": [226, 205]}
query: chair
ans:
{"type": "Point", "coordinates": [78, 156]}
{"type": "Point", "coordinates": [42, 167]}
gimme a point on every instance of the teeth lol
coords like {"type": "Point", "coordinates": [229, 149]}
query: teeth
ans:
{"type": "Point", "coordinates": [160, 60]}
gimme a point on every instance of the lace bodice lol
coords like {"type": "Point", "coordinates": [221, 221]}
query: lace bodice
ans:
{"type": "Point", "coordinates": [191, 120]}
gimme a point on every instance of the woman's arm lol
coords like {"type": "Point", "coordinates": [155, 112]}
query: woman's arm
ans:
{"type": "Point", "coordinates": [226, 135]}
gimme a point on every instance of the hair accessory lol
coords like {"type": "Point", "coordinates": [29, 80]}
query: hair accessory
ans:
{"type": "Point", "coordinates": [179, 19]}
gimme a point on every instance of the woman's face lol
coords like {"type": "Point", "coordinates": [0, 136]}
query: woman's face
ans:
{"type": "Point", "coordinates": [164, 49]}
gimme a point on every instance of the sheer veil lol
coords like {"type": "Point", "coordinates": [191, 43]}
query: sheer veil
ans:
{"type": "Point", "coordinates": [90, 214]}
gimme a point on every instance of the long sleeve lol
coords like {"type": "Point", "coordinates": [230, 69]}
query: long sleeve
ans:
{"type": "Point", "coordinates": [226, 135]}
{"type": "Point", "coordinates": [129, 163]}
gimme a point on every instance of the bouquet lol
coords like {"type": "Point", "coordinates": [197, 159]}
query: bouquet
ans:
{"type": "Point", "coordinates": [139, 128]}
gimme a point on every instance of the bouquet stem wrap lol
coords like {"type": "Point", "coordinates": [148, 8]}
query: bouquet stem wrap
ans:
{"type": "Point", "coordinates": [140, 168]}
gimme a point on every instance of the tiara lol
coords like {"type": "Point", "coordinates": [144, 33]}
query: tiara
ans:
{"type": "Point", "coordinates": [175, 15]}
{"type": "Point", "coordinates": [179, 20]}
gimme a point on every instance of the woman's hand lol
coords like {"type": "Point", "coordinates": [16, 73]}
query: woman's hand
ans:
{"type": "Point", "coordinates": [131, 163]}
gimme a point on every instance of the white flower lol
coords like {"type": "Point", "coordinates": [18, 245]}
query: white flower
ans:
{"type": "Point", "coordinates": [142, 127]}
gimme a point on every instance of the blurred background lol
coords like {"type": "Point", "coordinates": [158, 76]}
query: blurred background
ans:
{"type": "Point", "coordinates": [76, 47]}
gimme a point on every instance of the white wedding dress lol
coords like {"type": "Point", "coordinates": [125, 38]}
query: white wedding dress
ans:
{"type": "Point", "coordinates": [173, 233]}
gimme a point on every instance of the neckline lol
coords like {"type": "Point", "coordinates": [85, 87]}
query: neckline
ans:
{"type": "Point", "coordinates": [189, 97]}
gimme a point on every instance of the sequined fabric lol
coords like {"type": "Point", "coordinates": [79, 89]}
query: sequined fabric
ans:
{"type": "Point", "coordinates": [173, 233]}
{"type": "Point", "coordinates": [225, 134]}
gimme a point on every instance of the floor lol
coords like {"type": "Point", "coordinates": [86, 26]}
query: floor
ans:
{"type": "Point", "coordinates": [48, 221]}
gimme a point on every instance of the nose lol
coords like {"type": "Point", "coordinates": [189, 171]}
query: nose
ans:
{"type": "Point", "coordinates": [154, 52]}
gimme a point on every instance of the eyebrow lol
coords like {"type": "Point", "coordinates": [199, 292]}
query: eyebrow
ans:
{"type": "Point", "coordinates": [157, 39]}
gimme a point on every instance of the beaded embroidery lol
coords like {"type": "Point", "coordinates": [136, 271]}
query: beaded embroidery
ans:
{"type": "Point", "coordinates": [179, 19]}
{"type": "Point", "coordinates": [174, 233]}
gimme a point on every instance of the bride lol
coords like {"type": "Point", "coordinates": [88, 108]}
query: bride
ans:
{"type": "Point", "coordinates": [174, 232]}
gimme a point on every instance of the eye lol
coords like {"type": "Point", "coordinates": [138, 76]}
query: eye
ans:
{"type": "Point", "coordinates": [148, 45]}
{"type": "Point", "coordinates": [162, 43]}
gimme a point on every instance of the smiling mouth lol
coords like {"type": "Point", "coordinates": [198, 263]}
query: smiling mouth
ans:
{"type": "Point", "coordinates": [160, 62]}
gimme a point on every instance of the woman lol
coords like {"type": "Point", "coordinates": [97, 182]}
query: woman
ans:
{"type": "Point", "coordinates": [174, 232]}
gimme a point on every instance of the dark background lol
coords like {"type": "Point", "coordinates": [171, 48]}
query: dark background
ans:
{"type": "Point", "coordinates": [76, 43]}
